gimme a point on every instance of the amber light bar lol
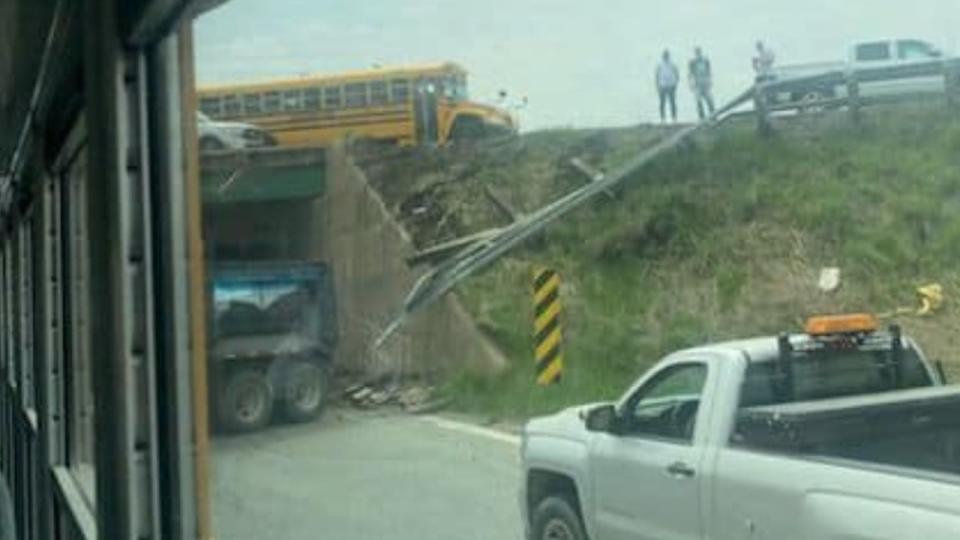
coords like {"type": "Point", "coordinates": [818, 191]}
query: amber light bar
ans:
{"type": "Point", "coordinates": [855, 323]}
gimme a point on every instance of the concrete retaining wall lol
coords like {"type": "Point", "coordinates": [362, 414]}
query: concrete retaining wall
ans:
{"type": "Point", "coordinates": [367, 249]}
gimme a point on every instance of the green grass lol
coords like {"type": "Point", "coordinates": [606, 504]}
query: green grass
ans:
{"type": "Point", "coordinates": [718, 241]}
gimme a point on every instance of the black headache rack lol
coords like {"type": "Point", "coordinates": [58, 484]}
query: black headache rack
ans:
{"type": "Point", "coordinates": [891, 365]}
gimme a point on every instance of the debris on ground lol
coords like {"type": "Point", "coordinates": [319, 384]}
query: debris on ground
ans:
{"type": "Point", "coordinates": [415, 399]}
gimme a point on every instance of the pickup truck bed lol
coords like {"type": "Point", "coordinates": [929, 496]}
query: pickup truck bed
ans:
{"type": "Point", "coordinates": [908, 428]}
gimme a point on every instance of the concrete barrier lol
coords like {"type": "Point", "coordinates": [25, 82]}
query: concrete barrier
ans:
{"type": "Point", "coordinates": [367, 249]}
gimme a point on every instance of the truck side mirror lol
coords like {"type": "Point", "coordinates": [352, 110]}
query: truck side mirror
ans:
{"type": "Point", "coordinates": [602, 418]}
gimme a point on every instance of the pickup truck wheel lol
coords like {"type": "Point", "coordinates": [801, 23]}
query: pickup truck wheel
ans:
{"type": "Point", "coordinates": [305, 392]}
{"type": "Point", "coordinates": [208, 144]}
{"type": "Point", "coordinates": [246, 401]}
{"type": "Point", "coordinates": [555, 519]}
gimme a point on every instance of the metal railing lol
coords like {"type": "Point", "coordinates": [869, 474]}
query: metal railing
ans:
{"type": "Point", "coordinates": [845, 88]}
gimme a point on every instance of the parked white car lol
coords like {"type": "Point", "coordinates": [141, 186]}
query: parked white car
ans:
{"type": "Point", "coordinates": [216, 135]}
{"type": "Point", "coordinates": [866, 54]}
{"type": "Point", "coordinates": [841, 432]}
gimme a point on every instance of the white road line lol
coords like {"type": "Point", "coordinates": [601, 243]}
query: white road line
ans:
{"type": "Point", "coordinates": [479, 431]}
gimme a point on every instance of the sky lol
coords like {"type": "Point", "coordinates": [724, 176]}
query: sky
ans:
{"type": "Point", "coordinates": [580, 63]}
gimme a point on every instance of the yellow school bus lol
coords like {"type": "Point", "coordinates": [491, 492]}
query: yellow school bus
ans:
{"type": "Point", "coordinates": [402, 105]}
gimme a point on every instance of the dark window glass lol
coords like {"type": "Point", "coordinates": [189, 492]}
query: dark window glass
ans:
{"type": "Point", "coordinates": [271, 102]}
{"type": "Point", "coordinates": [832, 374]}
{"type": "Point", "coordinates": [355, 95]}
{"type": "Point", "coordinates": [292, 100]}
{"type": "Point", "coordinates": [666, 407]}
{"type": "Point", "coordinates": [211, 106]}
{"type": "Point", "coordinates": [251, 103]}
{"type": "Point", "coordinates": [231, 105]}
{"type": "Point", "coordinates": [332, 98]}
{"type": "Point", "coordinates": [378, 93]}
{"type": "Point", "coordinates": [399, 90]}
{"type": "Point", "coordinates": [311, 99]}
{"type": "Point", "coordinates": [873, 52]}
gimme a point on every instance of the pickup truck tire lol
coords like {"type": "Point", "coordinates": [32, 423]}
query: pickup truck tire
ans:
{"type": "Point", "coordinates": [245, 401]}
{"type": "Point", "coordinates": [555, 519]}
{"type": "Point", "coordinates": [208, 144]}
{"type": "Point", "coordinates": [305, 392]}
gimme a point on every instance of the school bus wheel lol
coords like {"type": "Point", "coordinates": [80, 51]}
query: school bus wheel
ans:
{"type": "Point", "coordinates": [467, 128]}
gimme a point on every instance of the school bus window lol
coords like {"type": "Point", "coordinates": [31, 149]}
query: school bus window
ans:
{"type": "Point", "coordinates": [311, 99]}
{"type": "Point", "coordinates": [231, 105]}
{"type": "Point", "coordinates": [292, 100]}
{"type": "Point", "coordinates": [251, 103]}
{"type": "Point", "coordinates": [399, 90]}
{"type": "Point", "coordinates": [455, 88]}
{"type": "Point", "coordinates": [80, 403]}
{"type": "Point", "coordinates": [355, 95]}
{"type": "Point", "coordinates": [271, 102]}
{"type": "Point", "coordinates": [378, 93]}
{"type": "Point", "coordinates": [332, 97]}
{"type": "Point", "coordinates": [210, 107]}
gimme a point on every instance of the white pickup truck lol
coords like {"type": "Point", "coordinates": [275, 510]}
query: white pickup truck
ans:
{"type": "Point", "coordinates": [841, 432]}
{"type": "Point", "coordinates": [868, 54]}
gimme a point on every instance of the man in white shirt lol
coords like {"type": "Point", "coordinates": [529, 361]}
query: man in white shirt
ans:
{"type": "Point", "coordinates": [667, 77]}
{"type": "Point", "coordinates": [763, 62]}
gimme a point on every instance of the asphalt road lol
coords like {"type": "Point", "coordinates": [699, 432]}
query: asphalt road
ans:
{"type": "Point", "coordinates": [360, 476]}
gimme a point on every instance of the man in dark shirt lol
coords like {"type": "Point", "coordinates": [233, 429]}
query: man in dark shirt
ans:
{"type": "Point", "coordinates": [701, 83]}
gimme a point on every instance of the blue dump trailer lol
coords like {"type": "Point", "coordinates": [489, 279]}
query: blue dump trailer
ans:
{"type": "Point", "coordinates": [272, 335]}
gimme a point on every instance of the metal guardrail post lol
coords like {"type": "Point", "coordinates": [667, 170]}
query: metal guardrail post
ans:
{"type": "Point", "coordinates": [951, 79]}
{"type": "Point", "coordinates": [853, 97]}
{"type": "Point", "coordinates": [764, 127]}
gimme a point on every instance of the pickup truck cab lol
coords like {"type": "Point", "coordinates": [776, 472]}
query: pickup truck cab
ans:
{"type": "Point", "coordinates": [866, 54]}
{"type": "Point", "coordinates": [828, 434]}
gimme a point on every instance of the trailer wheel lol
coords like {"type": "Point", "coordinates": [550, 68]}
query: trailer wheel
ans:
{"type": "Point", "coordinates": [246, 401]}
{"type": "Point", "coordinates": [305, 392]}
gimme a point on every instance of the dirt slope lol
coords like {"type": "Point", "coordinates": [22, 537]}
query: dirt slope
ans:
{"type": "Point", "coordinates": [722, 239]}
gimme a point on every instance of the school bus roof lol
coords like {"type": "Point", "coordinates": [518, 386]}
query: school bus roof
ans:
{"type": "Point", "coordinates": [385, 72]}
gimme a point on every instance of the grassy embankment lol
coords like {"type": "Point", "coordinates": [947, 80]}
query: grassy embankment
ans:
{"type": "Point", "coordinates": [722, 240]}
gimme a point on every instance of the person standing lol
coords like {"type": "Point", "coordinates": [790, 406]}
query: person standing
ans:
{"type": "Point", "coordinates": [667, 78]}
{"type": "Point", "coordinates": [763, 63]}
{"type": "Point", "coordinates": [701, 82]}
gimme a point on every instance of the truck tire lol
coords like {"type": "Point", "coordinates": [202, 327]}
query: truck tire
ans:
{"type": "Point", "coordinates": [245, 401]}
{"type": "Point", "coordinates": [555, 519]}
{"type": "Point", "coordinates": [305, 392]}
{"type": "Point", "coordinates": [208, 144]}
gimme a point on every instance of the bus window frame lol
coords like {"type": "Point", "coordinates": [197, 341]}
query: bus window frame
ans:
{"type": "Point", "coordinates": [316, 100]}
{"type": "Point", "coordinates": [385, 95]}
{"type": "Point", "coordinates": [296, 103]}
{"type": "Point", "coordinates": [332, 92]}
{"type": "Point", "coordinates": [214, 111]}
{"type": "Point", "coordinates": [232, 105]}
{"type": "Point", "coordinates": [272, 102]}
{"type": "Point", "coordinates": [252, 97]}
{"type": "Point", "coordinates": [80, 429]}
{"type": "Point", "coordinates": [364, 95]}
{"type": "Point", "coordinates": [399, 83]}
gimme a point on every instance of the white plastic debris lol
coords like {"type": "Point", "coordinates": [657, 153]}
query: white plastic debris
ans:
{"type": "Point", "coordinates": [829, 279]}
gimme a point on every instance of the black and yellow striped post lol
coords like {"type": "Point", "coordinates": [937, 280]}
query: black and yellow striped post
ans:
{"type": "Point", "coordinates": [546, 301]}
